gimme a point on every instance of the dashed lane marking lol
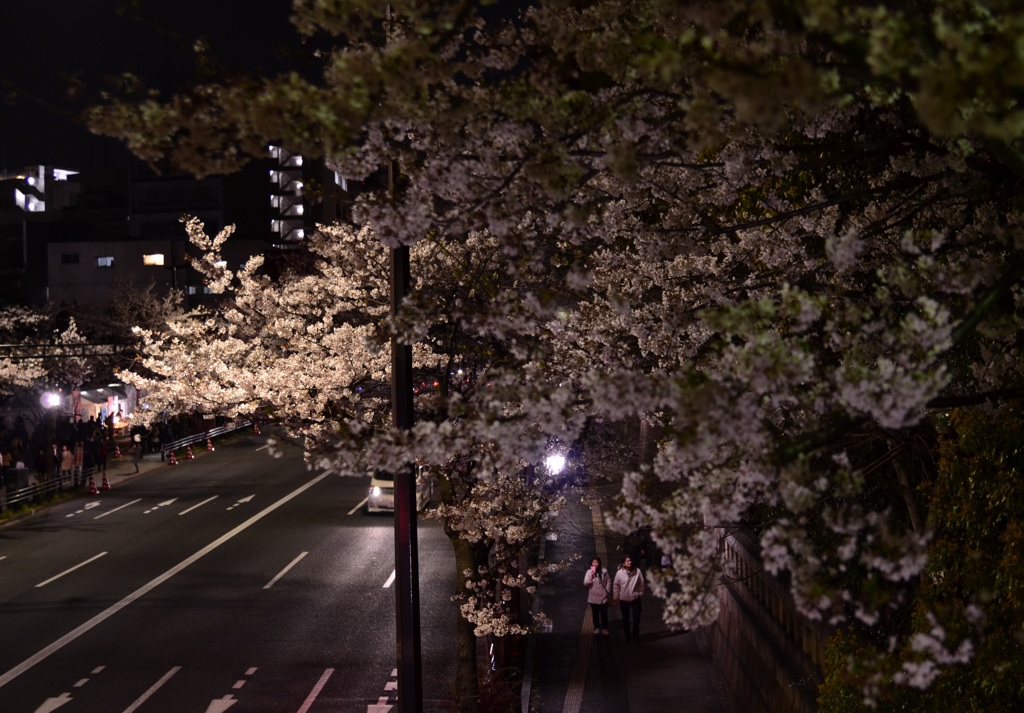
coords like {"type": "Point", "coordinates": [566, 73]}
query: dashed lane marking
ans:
{"type": "Point", "coordinates": [151, 690]}
{"type": "Point", "coordinates": [146, 588]}
{"type": "Point", "coordinates": [69, 571]}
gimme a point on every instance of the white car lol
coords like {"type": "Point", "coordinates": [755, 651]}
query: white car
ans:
{"type": "Point", "coordinates": [381, 497]}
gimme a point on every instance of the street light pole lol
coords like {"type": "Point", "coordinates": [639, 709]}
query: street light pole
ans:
{"type": "Point", "coordinates": [410, 685]}
{"type": "Point", "coordinates": [407, 581]}
{"type": "Point", "coordinates": [51, 401]}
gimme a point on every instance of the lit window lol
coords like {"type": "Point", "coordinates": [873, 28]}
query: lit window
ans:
{"type": "Point", "coordinates": [104, 262]}
{"type": "Point", "coordinates": [154, 259]}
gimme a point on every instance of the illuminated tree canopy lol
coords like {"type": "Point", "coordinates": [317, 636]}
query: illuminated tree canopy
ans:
{"type": "Point", "coordinates": [786, 233]}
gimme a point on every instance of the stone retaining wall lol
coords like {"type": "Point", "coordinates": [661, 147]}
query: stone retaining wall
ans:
{"type": "Point", "coordinates": [769, 655]}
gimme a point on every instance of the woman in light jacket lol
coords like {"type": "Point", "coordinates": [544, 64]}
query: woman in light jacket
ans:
{"type": "Point", "coordinates": [598, 584]}
{"type": "Point", "coordinates": [627, 589]}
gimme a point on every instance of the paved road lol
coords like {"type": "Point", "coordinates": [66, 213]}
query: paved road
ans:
{"type": "Point", "coordinates": [232, 581]}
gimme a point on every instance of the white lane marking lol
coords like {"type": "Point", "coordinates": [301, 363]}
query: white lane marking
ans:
{"type": "Point", "coordinates": [52, 704]}
{"type": "Point", "coordinates": [241, 682]}
{"type": "Point", "coordinates": [151, 690]}
{"type": "Point", "coordinates": [69, 571]}
{"type": "Point", "coordinates": [165, 503]}
{"type": "Point", "coordinates": [197, 505]}
{"type": "Point", "coordinates": [246, 499]}
{"type": "Point", "coordinates": [98, 669]}
{"type": "Point", "coordinates": [119, 507]}
{"type": "Point", "coordinates": [146, 588]}
{"type": "Point", "coordinates": [356, 508]}
{"type": "Point", "coordinates": [284, 571]}
{"type": "Point", "coordinates": [390, 581]}
{"type": "Point", "coordinates": [219, 705]}
{"type": "Point", "coordinates": [3, 557]}
{"type": "Point", "coordinates": [311, 698]}
{"type": "Point", "coordinates": [87, 506]}
{"type": "Point", "coordinates": [381, 706]}
{"type": "Point", "coordinates": [81, 682]}
{"type": "Point", "coordinates": [263, 447]}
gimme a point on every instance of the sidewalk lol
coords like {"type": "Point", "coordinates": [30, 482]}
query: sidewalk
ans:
{"type": "Point", "coordinates": [570, 670]}
{"type": "Point", "coordinates": [121, 469]}
{"type": "Point", "coordinates": [118, 471]}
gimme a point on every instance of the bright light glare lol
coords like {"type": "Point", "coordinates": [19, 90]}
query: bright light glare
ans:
{"type": "Point", "coordinates": [50, 399]}
{"type": "Point", "coordinates": [555, 463]}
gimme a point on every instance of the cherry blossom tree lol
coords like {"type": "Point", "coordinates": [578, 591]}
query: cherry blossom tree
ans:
{"type": "Point", "coordinates": [309, 349]}
{"type": "Point", "coordinates": [39, 355]}
{"type": "Point", "coordinates": [787, 234]}
{"type": "Point", "coordinates": [110, 322]}
{"type": "Point", "coordinates": [19, 325]}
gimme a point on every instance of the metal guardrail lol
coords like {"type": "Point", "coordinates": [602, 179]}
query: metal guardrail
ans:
{"type": "Point", "coordinates": [39, 492]}
{"type": "Point", "coordinates": [51, 487]}
{"type": "Point", "coordinates": [229, 427]}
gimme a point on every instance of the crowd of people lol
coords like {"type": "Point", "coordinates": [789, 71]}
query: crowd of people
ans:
{"type": "Point", "coordinates": [72, 448]}
{"type": "Point", "coordinates": [67, 451]}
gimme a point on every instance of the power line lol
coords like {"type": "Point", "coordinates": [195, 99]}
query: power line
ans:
{"type": "Point", "coordinates": [17, 352]}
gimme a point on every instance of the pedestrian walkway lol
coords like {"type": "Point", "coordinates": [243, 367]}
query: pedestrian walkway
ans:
{"type": "Point", "coordinates": [572, 670]}
{"type": "Point", "coordinates": [119, 469]}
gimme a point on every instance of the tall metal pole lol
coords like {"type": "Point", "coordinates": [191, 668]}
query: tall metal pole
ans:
{"type": "Point", "coordinates": [407, 595]}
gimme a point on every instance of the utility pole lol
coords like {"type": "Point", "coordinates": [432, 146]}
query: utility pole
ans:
{"type": "Point", "coordinates": [407, 595]}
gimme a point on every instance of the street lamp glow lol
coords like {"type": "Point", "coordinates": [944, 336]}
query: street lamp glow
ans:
{"type": "Point", "coordinates": [555, 463]}
{"type": "Point", "coordinates": [51, 399]}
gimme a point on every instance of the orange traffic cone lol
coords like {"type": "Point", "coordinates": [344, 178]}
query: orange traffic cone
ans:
{"type": "Point", "coordinates": [174, 460]}
{"type": "Point", "coordinates": [209, 444]}
{"type": "Point", "coordinates": [117, 451]}
{"type": "Point", "coordinates": [105, 485]}
{"type": "Point", "coordinates": [92, 486]}
{"type": "Point", "coordinates": [188, 453]}
{"type": "Point", "coordinates": [256, 427]}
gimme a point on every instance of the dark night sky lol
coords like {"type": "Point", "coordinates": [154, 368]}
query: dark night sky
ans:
{"type": "Point", "coordinates": [46, 43]}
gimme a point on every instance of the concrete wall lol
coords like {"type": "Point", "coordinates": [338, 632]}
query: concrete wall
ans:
{"type": "Point", "coordinates": [770, 657]}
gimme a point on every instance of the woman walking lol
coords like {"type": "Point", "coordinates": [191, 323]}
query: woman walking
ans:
{"type": "Point", "coordinates": [598, 583]}
{"type": "Point", "coordinates": [627, 590]}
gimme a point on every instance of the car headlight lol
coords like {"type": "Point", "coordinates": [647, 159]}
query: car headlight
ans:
{"type": "Point", "coordinates": [375, 492]}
